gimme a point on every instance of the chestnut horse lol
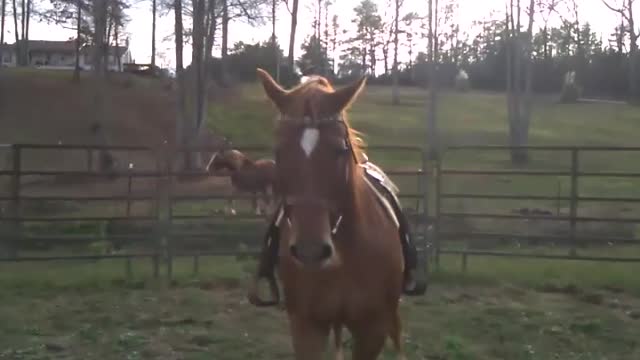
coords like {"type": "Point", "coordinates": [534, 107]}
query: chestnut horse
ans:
{"type": "Point", "coordinates": [340, 256]}
{"type": "Point", "coordinates": [255, 177]}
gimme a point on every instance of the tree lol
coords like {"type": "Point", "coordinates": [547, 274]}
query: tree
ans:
{"type": "Point", "coordinates": [276, 53]}
{"type": "Point", "coordinates": [313, 54]}
{"type": "Point", "coordinates": [432, 125]}
{"type": "Point", "coordinates": [154, 10]}
{"type": "Point", "coordinates": [292, 39]}
{"type": "Point", "coordinates": [2, 19]}
{"type": "Point", "coordinates": [4, 13]}
{"type": "Point", "coordinates": [369, 24]}
{"type": "Point", "coordinates": [182, 134]}
{"type": "Point", "coordinates": [519, 49]}
{"type": "Point", "coordinates": [100, 14]}
{"type": "Point", "coordinates": [395, 95]}
{"type": "Point", "coordinates": [76, 68]}
{"type": "Point", "coordinates": [626, 12]}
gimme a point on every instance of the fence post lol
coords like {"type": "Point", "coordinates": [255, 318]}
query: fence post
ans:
{"type": "Point", "coordinates": [575, 166]}
{"type": "Point", "coordinates": [196, 265]}
{"type": "Point", "coordinates": [15, 225]}
{"type": "Point", "coordinates": [162, 211]}
{"type": "Point", "coordinates": [130, 169]}
{"type": "Point", "coordinates": [464, 262]}
{"type": "Point", "coordinates": [89, 160]}
{"type": "Point", "coordinates": [436, 222]}
{"type": "Point", "coordinates": [169, 220]}
{"type": "Point", "coordinates": [128, 268]}
{"type": "Point", "coordinates": [424, 189]}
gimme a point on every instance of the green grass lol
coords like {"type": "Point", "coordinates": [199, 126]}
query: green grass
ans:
{"type": "Point", "coordinates": [499, 310]}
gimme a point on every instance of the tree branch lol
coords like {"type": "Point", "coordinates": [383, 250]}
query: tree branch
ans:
{"type": "Point", "coordinates": [619, 11]}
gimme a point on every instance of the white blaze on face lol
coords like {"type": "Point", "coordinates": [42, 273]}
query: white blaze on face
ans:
{"type": "Point", "coordinates": [309, 140]}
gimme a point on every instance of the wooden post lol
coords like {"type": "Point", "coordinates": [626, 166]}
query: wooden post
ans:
{"type": "Point", "coordinates": [575, 166]}
{"type": "Point", "coordinates": [163, 212]}
{"type": "Point", "coordinates": [196, 265]}
{"type": "Point", "coordinates": [15, 225]}
{"type": "Point", "coordinates": [424, 189]}
{"type": "Point", "coordinates": [436, 222]}
{"type": "Point", "coordinates": [464, 262]}
{"type": "Point", "coordinates": [130, 168]}
{"type": "Point", "coordinates": [169, 220]}
{"type": "Point", "coordinates": [89, 160]}
{"type": "Point", "coordinates": [155, 263]}
{"type": "Point", "coordinates": [128, 268]}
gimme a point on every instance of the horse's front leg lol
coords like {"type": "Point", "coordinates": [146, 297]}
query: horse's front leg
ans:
{"type": "Point", "coordinates": [369, 338]}
{"type": "Point", "coordinates": [229, 208]}
{"type": "Point", "coordinates": [255, 203]}
{"type": "Point", "coordinates": [309, 338]}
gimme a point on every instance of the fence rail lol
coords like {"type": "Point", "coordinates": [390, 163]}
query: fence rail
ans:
{"type": "Point", "coordinates": [163, 224]}
{"type": "Point", "coordinates": [443, 174]}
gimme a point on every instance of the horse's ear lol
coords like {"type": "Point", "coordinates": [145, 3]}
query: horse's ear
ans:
{"type": "Point", "coordinates": [274, 91]}
{"type": "Point", "coordinates": [344, 97]}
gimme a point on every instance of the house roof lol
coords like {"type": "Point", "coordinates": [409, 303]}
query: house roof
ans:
{"type": "Point", "coordinates": [51, 46]}
{"type": "Point", "coordinates": [113, 50]}
{"type": "Point", "coordinates": [45, 45]}
{"type": "Point", "coordinates": [63, 46]}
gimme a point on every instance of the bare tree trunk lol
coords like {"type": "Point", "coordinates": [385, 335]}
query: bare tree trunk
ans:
{"type": "Point", "coordinates": [17, 50]}
{"type": "Point", "coordinates": [395, 95]}
{"type": "Point", "coordinates": [519, 108]}
{"type": "Point", "coordinates": [432, 125]}
{"type": "Point", "coordinates": [181, 131]}
{"type": "Point", "coordinates": [154, 9]}
{"type": "Point", "coordinates": [225, 43]}
{"type": "Point", "coordinates": [106, 162]}
{"type": "Point", "coordinates": [2, 19]}
{"type": "Point", "coordinates": [196, 116]}
{"type": "Point", "coordinates": [633, 54]}
{"type": "Point", "coordinates": [211, 33]}
{"type": "Point", "coordinates": [76, 69]}
{"type": "Point", "coordinates": [4, 10]}
{"type": "Point", "coordinates": [292, 39]}
{"type": "Point", "coordinates": [27, 21]}
{"type": "Point", "coordinates": [273, 40]}
{"type": "Point", "coordinates": [22, 18]}
{"type": "Point", "coordinates": [525, 120]}
{"type": "Point", "coordinates": [117, 49]}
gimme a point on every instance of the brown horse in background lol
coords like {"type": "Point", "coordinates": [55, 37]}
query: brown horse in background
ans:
{"type": "Point", "coordinates": [340, 257]}
{"type": "Point", "coordinates": [255, 177]}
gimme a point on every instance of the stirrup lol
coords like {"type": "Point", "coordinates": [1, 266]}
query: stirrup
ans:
{"type": "Point", "coordinates": [419, 287]}
{"type": "Point", "coordinates": [255, 300]}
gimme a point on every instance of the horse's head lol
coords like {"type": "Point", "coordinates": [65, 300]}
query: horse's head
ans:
{"type": "Point", "coordinates": [226, 159]}
{"type": "Point", "coordinates": [315, 163]}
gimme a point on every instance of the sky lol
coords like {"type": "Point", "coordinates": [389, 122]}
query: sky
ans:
{"type": "Point", "coordinates": [139, 28]}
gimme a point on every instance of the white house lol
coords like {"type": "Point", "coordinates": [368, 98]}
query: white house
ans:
{"type": "Point", "coordinates": [61, 55]}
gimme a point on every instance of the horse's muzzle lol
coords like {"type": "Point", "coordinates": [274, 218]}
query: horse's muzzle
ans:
{"type": "Point", "coordinates": [312, 253]}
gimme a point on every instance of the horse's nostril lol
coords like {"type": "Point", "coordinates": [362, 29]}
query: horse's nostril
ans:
{"type": "Point", "coordinates": [311, 254]}
{"type": "Point", "coordinates": [327, 251]}
{"type": "Point", "coordinates": [294, 251]}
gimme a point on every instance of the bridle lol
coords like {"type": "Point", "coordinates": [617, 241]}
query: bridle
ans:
{"type": "Point", "coordinates": [288, 201]}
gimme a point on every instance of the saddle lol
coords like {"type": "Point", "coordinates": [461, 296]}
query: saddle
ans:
{"type": "Point", "coordinates": [386, 193]}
